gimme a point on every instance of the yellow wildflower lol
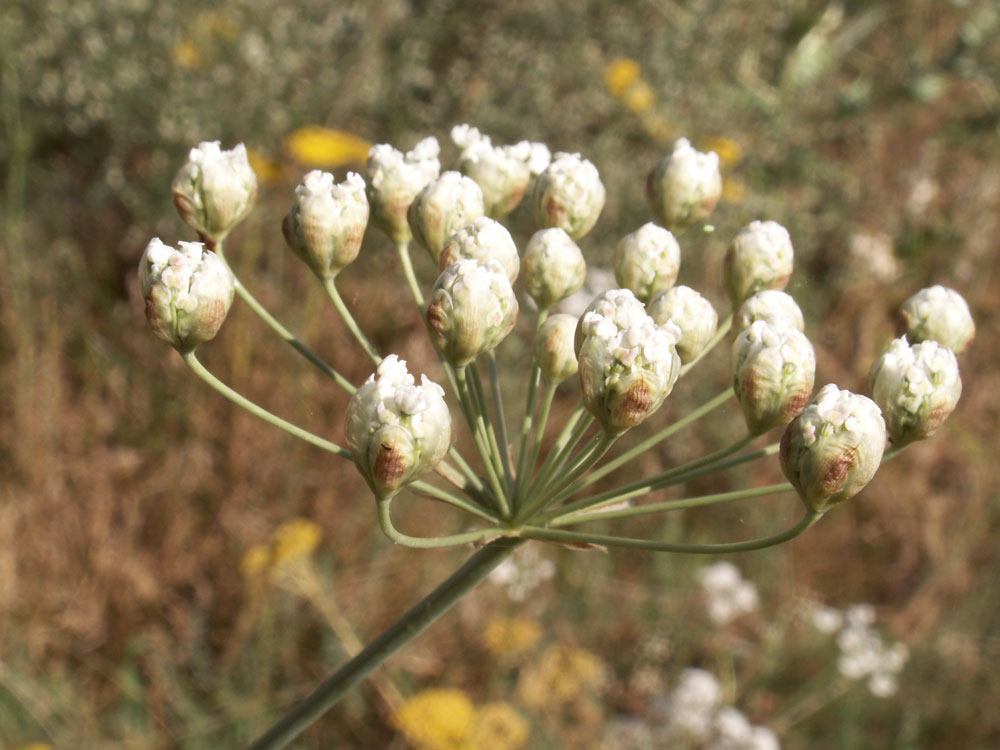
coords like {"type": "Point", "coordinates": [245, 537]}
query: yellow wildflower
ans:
{"type": "Point", "coordinates": [639, 97]}
{"type": "Point", "coordinates": [730, 152]}
{"type": "Point", "coordinates": [316, 146]}
{"type": "Point", "coordinates": [620, 74]}
{"type": "Point", "coordinates": [562, 674]}
{"type": "Point", "coordinates": [294, 539]}
{"type": "Point", "coordinates": [269, 171]}
{"type": "Point", "coordinates": [733, 190]}
{"type": "Point", "coordinates": [256, 560]}
{"type": "Point", "coordinates": [498, 726]}
{"type": "Point", "coordinates": [437, 719]}
{"type": "Point", "coordinates": [511, 636]}
{"type": "Point", "coordinates": [187, 55]}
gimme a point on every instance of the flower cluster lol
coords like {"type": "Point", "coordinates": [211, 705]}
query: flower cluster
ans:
{"type": "Point", "coordinates": [727, 594]}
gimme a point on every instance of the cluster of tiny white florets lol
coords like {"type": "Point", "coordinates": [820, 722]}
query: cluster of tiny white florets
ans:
{"type": "Point", "coordinates": [771, 305]}
{"type": "Point", "coordinates": [554, 267]}
{"type": "Point", "coordinates": [215, 189]}
{"type": "Point", "coordinates": [690, 312]}
{"type": "Point", "coordinates": [727, 594]}
{"type": "Point", "coordinates": [685, 186]}
{"type": "Point", "coordinates": [483, 240]}
{"type": "Point", "coordinates": [760, 257]}
{"type": "Point", "coordinates": [398, 398]}
{"type": "Point", "coordinates": [569, 194]}
{"type": "Point", "coordinates": [395, 179]}
{"type": "Point", "coordinates": [939, 314]}
{"type": "Point", "coordinates": [647, 261]}
{"type": "Point", "coordinates": [523, 572]}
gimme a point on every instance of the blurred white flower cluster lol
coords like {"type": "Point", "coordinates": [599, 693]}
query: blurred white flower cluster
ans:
{"type": "Point", "coordinates": [692, 715]}
{"type": "Point", "coordinates": [727, 594]}
{"type": "Point", "coordinates": [863, 651]}
{"type": "Point", "coordinates": [523, 572]}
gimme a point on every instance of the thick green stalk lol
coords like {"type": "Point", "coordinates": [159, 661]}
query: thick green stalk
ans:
{"type": "Point", "coordinates": [283, 332]}
{"type": "Point", "coordinates": [432, 542]}
{"type": "Point", "coordinates": [404, 630]}
{"type": "Point", "coordinates": [331, 290]}
{"type": "Point", "coordinates": [585, 516]}
{"type": "Point", "coordinates": [258, 411]}
{"type": "Point", "coordinates": [604, 540]}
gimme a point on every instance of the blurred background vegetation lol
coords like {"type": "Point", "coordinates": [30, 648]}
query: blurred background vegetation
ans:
{"type": "Point", "coordinates": [174, 573]}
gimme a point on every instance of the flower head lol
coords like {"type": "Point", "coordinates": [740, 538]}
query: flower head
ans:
{"type": "Point", "coordinates": [215, 189]}
{"type": "Point", "coordinates": [833, 448]}
{"type": "Point", "coordinates": [554, 267]}
{"type": "Point", "coordinates": [553, 347]}
{"type": "Point", "coordinates": [685, 186]}
{"type": "Point", "coordinates": [472, 309]}
{"type": "Point", "coordinates": [628, 364]}
{"type": "Point", "coordinates": [326, 222]}
{"type": "Point", "coordinates": [569, 194]}
{"type": "Point", "coordinates": [774, 369]}
{"type": "Point", "coordinates": [772, 306]}
{"type": "Point", "coordinates": [396, 430]}
{"type": "Point", "coordinates": [916, 386]}
{"type": "Point", "coordinates": [647, 261]}
{"type": "Point", "coordinates": [938, 314]}
{"type": "Point", "coordinates": [444, 206]}
{"type": "Point", "coordinates": [394, 179]}
{"type": "Point", "coordinates": [188, 292]}
{"type": "Point", "coordinates": [483, 240]}
{"type": "Point", "coordinates": [760, 257]}
{"type": "Point", "coordinates": [503, 172]}
{"type": "Point", "coordinates": [690, 312]}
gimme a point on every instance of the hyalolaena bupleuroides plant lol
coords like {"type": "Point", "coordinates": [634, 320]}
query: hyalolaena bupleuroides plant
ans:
{"type": "Point", "coordinates": [628, 350]}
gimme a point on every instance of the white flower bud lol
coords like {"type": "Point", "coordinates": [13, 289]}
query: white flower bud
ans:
{"type": "Point", "coordinates": [484, 239]}
{"type": "Point", "coordinates": [215, 189]}
{"type": "Point", "coordinates": [833, 448]}
{"type": "Point", "coordinates": [569, 194]}
{"type": "Point", "coordinates": [690, 312]}
{"type": "Point", "coordinates": [760, 257]}
{"type": "Point", "coordinates": [647, 261]}
{"type": "Point", "coordinates": [503, 172]}
{"type": "Point", "coordinates": [396, 430]}
{"type": "Point", "coordinates": [442, 208]}
{"type": "Point", "coordinates": [939, 314]}
{"type": "Point", "coordinates": [628, 364]}
{"type": "Point", "coordinates": [772, 306]}
{"type": "Point", "coordinates": [554, 268]}
{"type": "Point", "coordinates": [774, 369]}
{"type": "Point", "coordinates": [685, 186]}
{"type": "Point", "coordinates": [326, 222]}
{"type": "Point", "coordinates": [553, 347]}
{"type": "Point", "coordinates": [472, 309]}
{"type": "Point", "coordinates": [188, 291]}
{"type": "Point", "coordinates": [917, 387]}
{"type": "Point", "coordinates": [394, 179]}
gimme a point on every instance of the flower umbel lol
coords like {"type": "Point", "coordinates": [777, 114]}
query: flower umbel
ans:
{"type": "Point", "coordinates": [938, 314]}
{"type": "Point", "coordinates": [685, 186]}
{"type": "Point", "coordinates": [394, 179]}
{"type": "Point", "coordinates": [215, 189]}
{"type": "Point", "coordinates": [569, 194]}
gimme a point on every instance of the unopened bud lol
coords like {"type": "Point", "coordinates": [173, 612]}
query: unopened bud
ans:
{"type": "Point", "coordinates": [685, 186]}
{"type": "Point", "coordinates": [554, 268]}
{"type": "Point", "coordinates": [647, 261]}
{"type": "Point", "coordinates": [774, 370]}
{"type": "Point", "coordinates": [690, 312]}
{"type": "Point", "coordinates": [938, 314]}
{"type": "Point", "coordinates": [326, 222]}
{"type": "Point", "coordinates": [760, 257]}
{"type": "Point", "coordinates": [188, 291]}
{"type": "Point", "coordinates": [628, 364]}
{"type": "Point", "coordinates": [772, 306]}
{"type": "Point", "coordinates": [396, 430]}
{"type": "Point", "coordinates": [394, 179]}
{"type": "Point", "coordinates": [917, 388]}
{"type": "Point", "coordinates": [554, 347]}
{"type": "Point", "coordinates": [833, 448]}
{"type": "Point", "coordinates": [484, 239]}
{"type": "Point", "coordinates": [442, 208]}
{"type": "Point", "coordinates": [503, 172]}
{"type": "Point", "coordinates": [569, 194]}
{"type": "Point", "coordinates": [472, 309]}
{"type": "Point", "coordinates": [215, 189]}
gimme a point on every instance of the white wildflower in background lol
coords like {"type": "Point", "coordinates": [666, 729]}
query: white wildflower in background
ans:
{"type": "Point", "coordinates": [727, 594]}
{"type": "Point", "coordinates": [523, 572]}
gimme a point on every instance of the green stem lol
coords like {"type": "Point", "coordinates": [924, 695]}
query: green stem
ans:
{"type": "Point", "coordinates": [599, 445]}
{"type": "Point", "coordinates": [331, 289]}
{"type": "Point", "coordinates": [473, 479]}
{"type": "Point", "coordinates": [586, 516]}
{"type": "Point", "coordinates": [535, 497]}
{"type": "Point", "coordinates": [421, 542]}
{"type": "Point", "coordinates": [678, 475]}
{"type": "Point", "coordinates": [712, 343]}
{"type": "Point", "coordinates": [604, 540]}
{"type": "Point", "coordinates": [403, 249]}
{"type": "Point", "coordinates": [439, 494]}
{"type": "Point", "coordinates": [543, 419]}
{"type": "Point", "coordinates": [498, 443]}
{"type": "Point", "coordinates": [257, 411]}
{"type": "Point", "coordinates": [283, 332]}
{"type": "Point", "coordinates": [525, 446]}
{"type": "Point", "coordinates": [659, 437]}
{"type": "Point", "coordinates": [478, 428]}
{"type": "Point", "coordinates": [404, 630]}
